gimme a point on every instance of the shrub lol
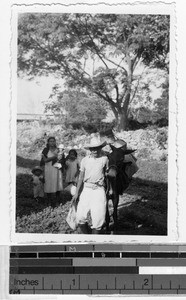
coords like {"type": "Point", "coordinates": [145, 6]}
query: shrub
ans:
{"type": "Point", "coordinates": [162, 138]}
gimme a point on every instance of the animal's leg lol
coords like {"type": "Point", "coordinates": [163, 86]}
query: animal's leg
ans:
{"type": "Point", "coordinates": [115, 212]}
{"type": "Point", "coordinates": [83, 228]}
{"type": "Point", "coordinates": [107, 219]}
{"type": "Point", "coordinates": [95, 231]}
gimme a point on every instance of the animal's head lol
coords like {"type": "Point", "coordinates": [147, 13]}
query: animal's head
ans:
{"type": "Point", "coordinates": [116, 158]}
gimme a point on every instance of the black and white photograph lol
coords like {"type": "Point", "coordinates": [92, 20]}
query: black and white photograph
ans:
{"type": "Point", "coordinates": [93, 122]}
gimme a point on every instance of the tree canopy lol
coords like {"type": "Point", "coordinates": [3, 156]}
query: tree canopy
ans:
{"type": "Point", "coordinates": [102, 53]}
{"type": "Point", "coordinates": [70, 104]}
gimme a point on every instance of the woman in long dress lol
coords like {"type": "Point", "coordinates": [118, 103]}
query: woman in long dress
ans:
{"type": "Point", "coordinates": [53, 176]}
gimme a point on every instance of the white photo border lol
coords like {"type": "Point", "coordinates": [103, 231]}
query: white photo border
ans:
{"type": "Point", "coordinates": [126, 8]}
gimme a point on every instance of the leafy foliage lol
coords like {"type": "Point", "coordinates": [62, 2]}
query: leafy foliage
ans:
{"type": "Point", "coordinates": [99, 53]}
{"type": "Point", "coordinates": [77, 108]}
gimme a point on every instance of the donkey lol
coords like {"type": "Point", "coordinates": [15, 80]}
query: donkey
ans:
{"type": "Point", "coordinates": [117, 180]}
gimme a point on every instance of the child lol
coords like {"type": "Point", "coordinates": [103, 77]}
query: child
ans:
{"type": "Point", "coordinates": [38, 183]}
{"type": "Point", "coordinates": [72, 171]}
{"type": "Point", "coordinates": [60, 157]}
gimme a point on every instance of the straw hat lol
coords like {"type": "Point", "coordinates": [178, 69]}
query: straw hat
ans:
{"type": "Point", "coordinates": [95, 143]}
{"type": "Point", "coordinates": [36, 169]}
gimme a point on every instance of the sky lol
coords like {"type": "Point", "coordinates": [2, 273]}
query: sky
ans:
{"type": "Point", "coordinates": [31, 94]}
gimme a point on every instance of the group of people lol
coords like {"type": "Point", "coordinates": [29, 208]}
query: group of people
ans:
{"type": "Point", "coordinates": [48, 177]}
{"type": "Point", "coordinates": [85, 180]}
{"type": "Point", "coordinates": [87, 177]}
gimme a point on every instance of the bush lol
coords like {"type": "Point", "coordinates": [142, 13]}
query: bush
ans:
{"type": "Point", "coordinates": [161, 138]}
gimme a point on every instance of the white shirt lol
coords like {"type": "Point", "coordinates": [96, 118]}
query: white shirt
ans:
{"type": "Point", "coordinates": [94, 168]}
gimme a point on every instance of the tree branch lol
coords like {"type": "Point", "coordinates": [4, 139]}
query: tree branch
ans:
{"type": "Point", "coordinates": [94, 45]}
{"type": "Point", "coordinates": [117, 95]}
{"type": "Point", "coordinates": [135, 90]}
{"type": "Point", "coordinates": [108, 100]}
{"type": "Point", "coordinates": [136, 60]}
{"type": "Point", "coordinates": [117, 65]}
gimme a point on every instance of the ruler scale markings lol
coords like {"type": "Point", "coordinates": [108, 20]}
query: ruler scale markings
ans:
{"type": "Point", "coordinates": [133, 284]}
{"type": "Point", "coordinates": [161, 286]}
{"type": "Point", "coordinates": [43, 282]}
{"type": "Point", "coordinates": [161, 256]}
{"type": "Point", "coordinates": [151, 282]}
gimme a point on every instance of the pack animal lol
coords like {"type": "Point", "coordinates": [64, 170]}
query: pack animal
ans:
{"type": "Point", "coordinates": [117, 181]}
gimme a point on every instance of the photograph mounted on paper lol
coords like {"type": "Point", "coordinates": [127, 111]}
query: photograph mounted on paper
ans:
{"type": "Point", "coordinates": [92, 123]}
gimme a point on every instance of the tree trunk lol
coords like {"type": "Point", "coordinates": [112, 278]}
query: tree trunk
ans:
{"type": "Point", "coordinates": [122, 122]}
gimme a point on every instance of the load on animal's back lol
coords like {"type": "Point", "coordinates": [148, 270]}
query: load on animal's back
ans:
{"type": "Point", "coordinates": [122, 166]}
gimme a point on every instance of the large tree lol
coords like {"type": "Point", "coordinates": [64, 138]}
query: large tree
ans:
{"type": "Point", "coordinates": [76, 108]}
{"type": "Point", "coordinates": [103, 54]}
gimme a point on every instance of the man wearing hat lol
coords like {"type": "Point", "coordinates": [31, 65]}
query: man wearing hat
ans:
{"type": "Point", "coordinates": [93, 197]}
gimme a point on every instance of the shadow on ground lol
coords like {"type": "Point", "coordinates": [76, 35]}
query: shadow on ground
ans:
{"type": "Point", "coordinates": [142, 209]}
{"type": "Point", "coordinates": [25, 203]}
{"type": "Point", "coordinates": [26, 162]}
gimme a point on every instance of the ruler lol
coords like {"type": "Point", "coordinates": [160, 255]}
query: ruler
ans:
{"type": "Point", "coordinates": [98, 269]}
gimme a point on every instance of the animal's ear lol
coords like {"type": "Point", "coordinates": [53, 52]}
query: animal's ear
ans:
{"type": "Point", "coordinates": [112, 147]}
